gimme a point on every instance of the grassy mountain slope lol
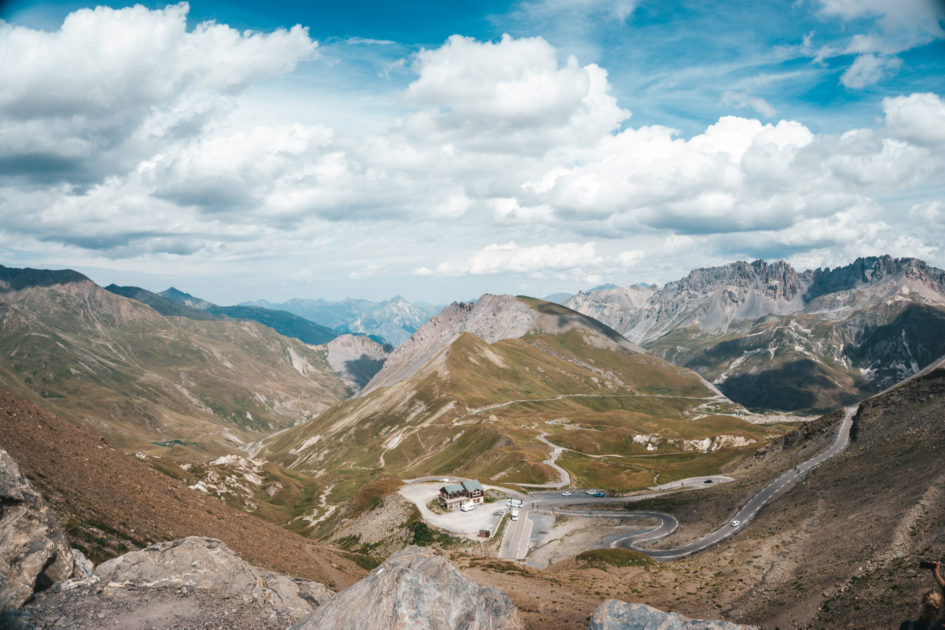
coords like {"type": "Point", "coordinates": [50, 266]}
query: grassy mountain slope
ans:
{"type": "Point", "coordinates": [144, 380]}
{"type": "Point", "coordinates": [161, 304]}
{"type": "Point", "coordinates": [109, 502]}
{"type": "Point", "coordinates": [282, 322]}
{"type": "Point", "coordinates": [173, 303]}
{"type": "Point", "coordinates": [839, 550]}
{"type": "Point", "coordinates": [478, 409]}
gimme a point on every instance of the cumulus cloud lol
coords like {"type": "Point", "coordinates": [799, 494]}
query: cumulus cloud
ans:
{"type": "Point", "coordinates": [917, 118]}
{"type": "Point", "coordinates": [112, 85]}
{"type": "Point", "coordinates": [499, 137]}
{"type": "Point", "coordinates": [509, 95]}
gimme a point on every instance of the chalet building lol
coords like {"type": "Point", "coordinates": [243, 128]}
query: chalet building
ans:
{"type": "Point", "coordinates": [454, 495]}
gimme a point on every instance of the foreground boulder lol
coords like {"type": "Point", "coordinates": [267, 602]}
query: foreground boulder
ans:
{"type": "Point", "coordinates": [416, 589]}
{"type": "Point", "coordinates": [34, 552]}
{"type": "Point", "coordinates": [185, 584]}
{"type": "Point", "coordinates": [614, 614]}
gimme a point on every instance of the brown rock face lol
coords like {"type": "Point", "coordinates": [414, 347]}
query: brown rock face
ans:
{"type": "Point", "coordinates": [34, 552]}
{"type": "Point", "coordinates": [416, 589]}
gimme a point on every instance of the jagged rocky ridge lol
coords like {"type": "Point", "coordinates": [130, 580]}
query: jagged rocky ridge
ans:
{"type": "Point", "coordinates": [770, 337]}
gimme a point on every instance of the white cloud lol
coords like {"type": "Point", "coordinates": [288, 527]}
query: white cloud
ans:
{"type": "Point", "coordinates": [111, 85]}
{"type": "Point", "coordinates": [891, 28]}
{"type": "Point", "coordinates": [904, 24]}
{"type": "Point", "coordinates": [869, 69]}
{"type": "Point", "coordinates": [930, 213]}
{"type": "Point", "coordinates": [744, 100]}
{"type": "Point", "coordinates": [501, 144]}
{"type": "Point", "coordinates": [917, 118]}
{"type": "Point", "coordinates": [630, 258]}
{"type": "Point", "coordinates": [510, 258]}
{"type": "Point", "coordinates": [509, 95]}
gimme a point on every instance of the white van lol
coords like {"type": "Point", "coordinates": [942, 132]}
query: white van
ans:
{"type": "Point", "coordinates": [514, 515]}
{"type": "Point", "coordinates": [468, 506]}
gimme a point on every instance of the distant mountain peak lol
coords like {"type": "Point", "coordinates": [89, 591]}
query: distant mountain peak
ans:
{"type": "Point", "coordinates": [15, 279]}
{"type": "Point", "coordinates": [491, 318]}
{"type": "Point", "coordinates": [186, 298]}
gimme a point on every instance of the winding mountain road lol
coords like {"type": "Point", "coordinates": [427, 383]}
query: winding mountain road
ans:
{"type": "Point", "coordinates": [747, 511]}
{"type": "Point", "coordinates": [555, 454]}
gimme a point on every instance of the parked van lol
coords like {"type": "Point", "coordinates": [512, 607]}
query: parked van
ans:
{"type": "Point", "coordinates": [468, 506]}
{"type": "Point", "coordinates": [515, 503]}
{"type": "Point", "coordinates": [514, 514]}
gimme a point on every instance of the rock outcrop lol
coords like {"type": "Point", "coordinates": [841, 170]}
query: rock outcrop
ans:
{"type": "Point", "coordinates": [356, 358]}
{"type": "Point", "coordinates": [34, 552]}
{"type": "Point", "coordinates": [614, 614]}
{"type": "Point", "coordinates": [186, 584]}
{"type": "Point", "coordinates": [416, 589]}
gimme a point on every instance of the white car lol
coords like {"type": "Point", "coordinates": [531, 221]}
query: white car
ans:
{"type": "Point", "coordinates": [590, 491]}
{"type": "Point", "coordinates": [566, 494]}
{"type": "Point", "coordinates": [445, 480]}
{"type": "Point", "coordinates": [736, 523]}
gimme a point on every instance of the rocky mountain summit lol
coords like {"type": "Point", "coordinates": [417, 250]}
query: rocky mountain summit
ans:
{"type": "Point", "coordinates": [772, 338]}
{"type": "Point", "coordinates": [491, 318]}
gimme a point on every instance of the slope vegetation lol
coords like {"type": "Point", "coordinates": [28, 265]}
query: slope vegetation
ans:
{"type": "Point", "coordinates": [109, 502]}
{"type": "Point", "coordinates": [146, 381]}
{"type": "Point", "coordinates": [450, 402]}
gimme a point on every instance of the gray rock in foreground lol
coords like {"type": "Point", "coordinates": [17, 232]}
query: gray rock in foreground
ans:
{"type": "Point", "coordinates": [189, 584]}
{"type": "Point", "coordinates": [416, 589]}
{"type": "Point", "coordinates": [34, 553]}
{"type": "Point", "coordinates": [614, 614]}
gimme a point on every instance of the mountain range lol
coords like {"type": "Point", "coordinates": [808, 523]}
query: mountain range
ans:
{"type": "Point", "coordinates": [653, 388]}
{"type": "Point", "coordinates": [772, 338]}
{"type": "Point", "coordinates": [477, 389]}
{"type": "Point", "coordinates": [141, 377]}
{"type": "Point", "coordinates": [174, 302]}
{"type": "Point", "coordinates": [393, 321]}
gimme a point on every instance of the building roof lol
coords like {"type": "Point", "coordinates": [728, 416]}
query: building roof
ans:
{"type": "Point", "coordinates": [472, 486]}
{"type": "Point", "coordinates": [452, 488]}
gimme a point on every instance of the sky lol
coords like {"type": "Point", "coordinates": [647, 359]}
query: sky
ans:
{"type": "Point", "coordinates": [437, 150]}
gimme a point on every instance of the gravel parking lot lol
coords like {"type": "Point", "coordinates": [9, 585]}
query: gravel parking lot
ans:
{"type": "Point", "coordinates": [458, 522]}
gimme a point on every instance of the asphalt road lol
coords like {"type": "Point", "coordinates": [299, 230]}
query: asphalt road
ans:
{"type": "Point", "coordinates": [748, 511]}
{"type": "Point", "coordinates": [515, 541]}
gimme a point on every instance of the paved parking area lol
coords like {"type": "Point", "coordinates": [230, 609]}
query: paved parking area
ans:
{"type": "Point", "coordinates": [458, 522]}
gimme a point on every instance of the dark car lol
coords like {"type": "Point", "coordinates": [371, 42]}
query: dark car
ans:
{"type": "Point", "coordinates": [600, 494]}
